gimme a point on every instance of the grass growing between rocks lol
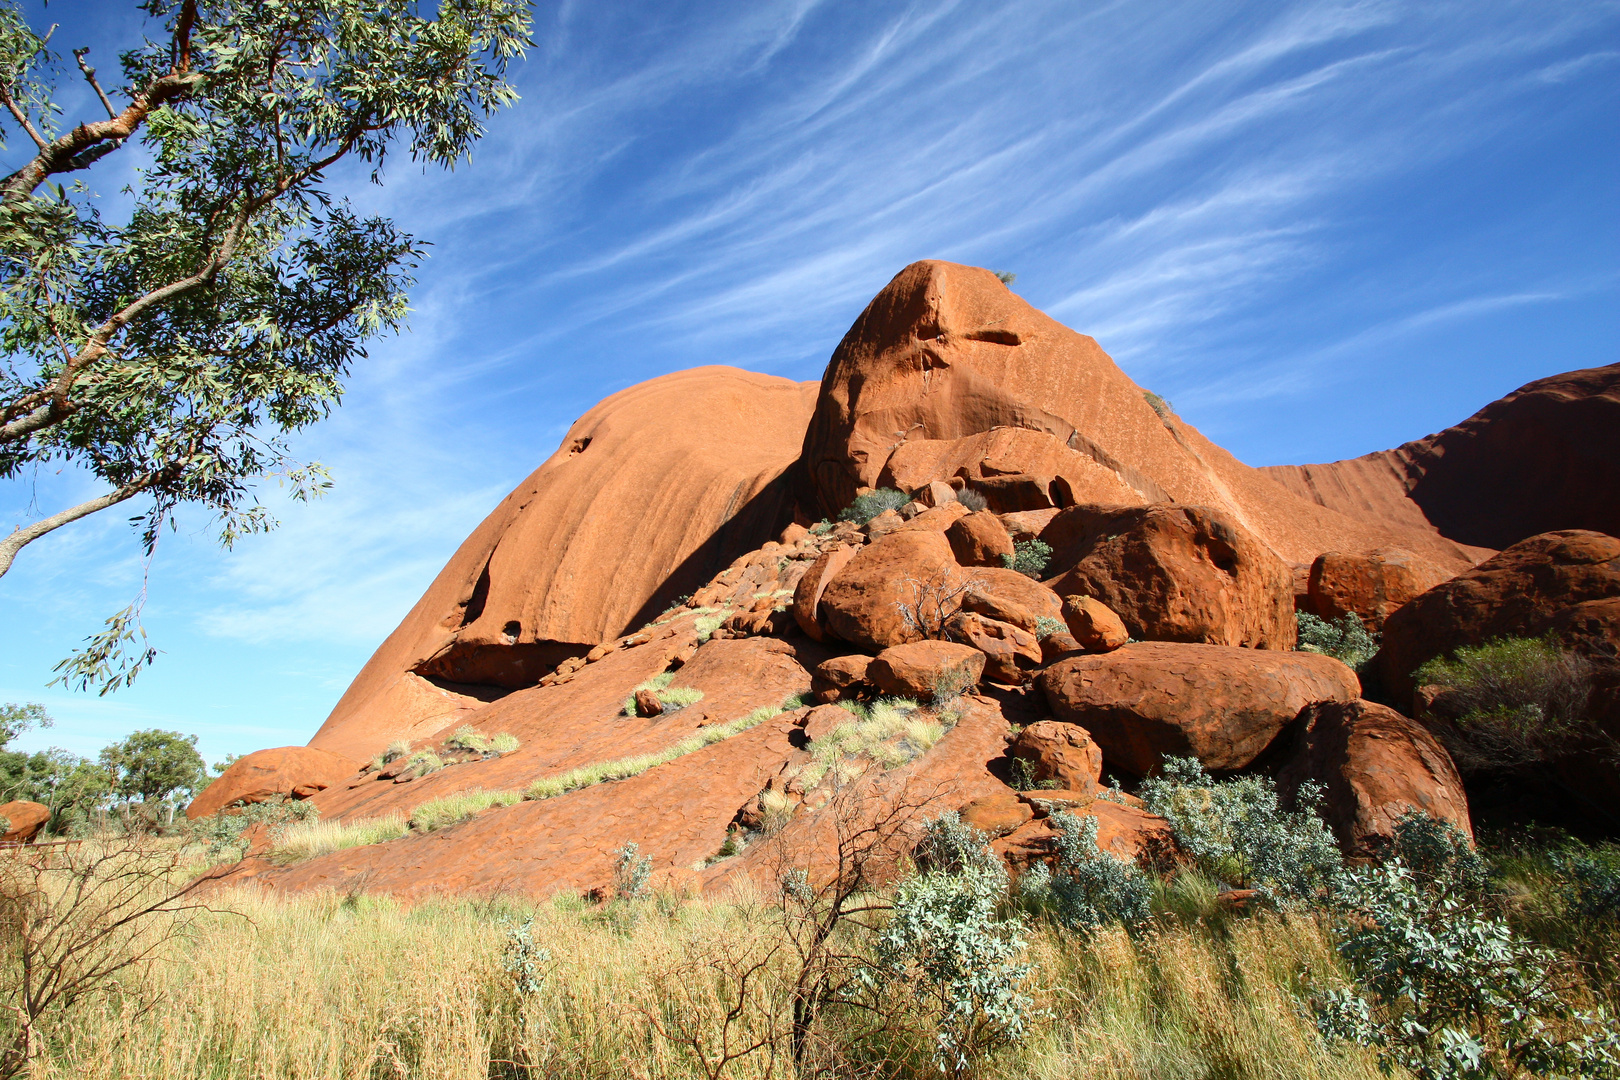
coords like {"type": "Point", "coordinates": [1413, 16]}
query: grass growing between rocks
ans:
{"type": "Point", "coordinates": [452, 809]}
{"type": "Point", "coordinates": [889, 731]}
{"type": "Point", "coordinates": [672, 697]}
{"type": "Point", "coordinates": [305, 840]}
{"type": "Point", "coordinates": [328, 986]}
{"type": "Point", "coordinates": [622, 768]}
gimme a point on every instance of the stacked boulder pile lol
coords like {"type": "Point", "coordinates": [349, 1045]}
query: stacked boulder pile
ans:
{"type": "Point", "coordinates": [974, 559]}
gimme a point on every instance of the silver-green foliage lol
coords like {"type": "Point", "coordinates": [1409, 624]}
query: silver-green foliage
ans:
{"type": "Point", "coordinates": [1237, 830]}
{"type": "Point", "coordinates": [225, 834]}
{"type": "Point", "coordinates": [631, 870]}
{"type": "Point", "coordinates": [1345, 639]}
{"type": "Point", "coordinates": [523, 958]}
{"type": "Point", "coordinates": [868, 506]}
{"type": "Point", "coordinates": [1046, 626]}
{"type": "Point", "coordinates": [1029, 558]}
{"type": "Point", "coordinates": [947, 946]}
{"type": "Point", "coordinates": [169, 351]}
{"type": "Point", "coordinates": [1086, 888]}
{"type": "Point", "coordinates": [1443, 989]}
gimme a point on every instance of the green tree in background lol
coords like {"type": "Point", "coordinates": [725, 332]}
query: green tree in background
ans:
{"type": "Point", "coordinates": [157, 768]}
{"type": "Point", "coordinates": [168, 354]}
{"type": "Point", "coordinates": [71, 786]}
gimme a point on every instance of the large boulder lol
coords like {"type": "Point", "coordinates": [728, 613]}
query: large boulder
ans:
{"type": "Point", "coordinates": [1094, 625]}
{"type": "Point", "coordinates": [807, 595]}
{"type": "Point", "coordinates": [1175, 573]}
{"type": "Point", "coordinates": [1374, 765]}
{"type": "Point", "coordinates": [917, 669]}
{"type": "Point", "coordinates": [862, 604]}
{"type": "Point", "coordinates": [1220, 704]}
{"type": "Point", "coordinates": [296, 771]}
{"type": "Point", "coordinates": [22, 821]}
{"type": "Point", "coordinates": [1010, 597]}
{"type": "Point", "coordinates": [979, 539]}
{"type": "Point", "coordinates": [1009, 651]}
{"type": "Point", "coordinates": [652, 492]}
{"type": "Point", "coordinates": [1370, 585]}
{"type": "Point", "coordinates": [1559, 582]}
{"type": "Point", "coordinates": [1059, 753]}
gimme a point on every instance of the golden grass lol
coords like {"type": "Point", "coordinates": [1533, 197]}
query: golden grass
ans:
{"type": "Point", "coordinates": [446, 811]}
{"type": "Point", "coordinates": [323, 986]}
{"type": "Point", "coordinates": [307, 839]}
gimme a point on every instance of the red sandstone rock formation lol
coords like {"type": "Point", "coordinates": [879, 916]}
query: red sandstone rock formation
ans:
{"type": "Point", "coordinates": [1544, 458]}
{"type": "Point", "coordinates": [917, 669]}
{"type": "Point", "coordinates": [1375, 765]}
{"type": "Point", "coordinates": [23, 821]}
{"type": "Point", "coordinates": [1064, 753]}
{"type": "Point", "coordinates": [1221, 705]}
{"type": "Point", "coordinates": [296, 771]}
{"type": "Point", "coordinates": [1371, 585]}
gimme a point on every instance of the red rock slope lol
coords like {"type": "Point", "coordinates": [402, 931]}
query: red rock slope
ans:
{"type": "Point", "coordinates": [1544, 458]}
{"type": "Point", "coordinates": [651, 493]}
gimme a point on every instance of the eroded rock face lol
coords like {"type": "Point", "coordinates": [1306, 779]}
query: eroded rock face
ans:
{"type": "Point", "coordinates": [1371, 585]}
{"type": "Point", "coordinates": [861, 604]}
{"type": "Point", "coordinates": [1220, 704]}
{"type": "Point", "coordinates": [287, 770]}
{"type": "Point", "coordinates": [1375, 765]}
{"type": "Point", "coordinates": [629, 513]}
{"type": "Point", "coordinates": [1532, 587]}
{"type": "Point", "coordinates": [1009, 652]}
{"type": "Point", "coordinates": [1175, 573]}
{"type": "Point", "coordinates": [916, 669]}
{"type": "Point", "coordinates": [1064, 753]}
{"type": "Point", "coordinates": [807, 596]}
{"type": "Point", "coordinates": [24, 820]}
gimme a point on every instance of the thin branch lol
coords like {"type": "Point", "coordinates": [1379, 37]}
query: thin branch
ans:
{"type": "Point", "coordinates": [22, 117]}
{"type": "Point", "coordinates": [90, 76]}
{"type": "Point", "coordinates": [22, 537]}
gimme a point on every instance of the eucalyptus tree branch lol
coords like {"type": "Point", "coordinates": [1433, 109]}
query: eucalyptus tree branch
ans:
{"type": "Point", "coordinates": [22, 537]}
{"type": "Point", "coordinates": [90, 77]}
{"type": "Point", "coordinates": [22, 117]}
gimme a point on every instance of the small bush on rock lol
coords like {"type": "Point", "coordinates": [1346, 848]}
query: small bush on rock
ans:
{"type": "Point", "coordinates": [1346, 639]}
{"type": "Point", "coordinates": [868, 506]}
{"type": "Point", "coordinates": [1159, 404]}
{"type": "Point", "coordinates": [1046, 626]}
{"type": "Point", "coordinates": [1086, 888]}
{"type": "Point", "coordinates": [630, 873]}
{"type": "Point", "coordinates": [1237, 831]}
{"type": "Point", "coordinates": [1516, 701]}
{"type": "Point", "coordinates": [973, 500]}
{"type": "Point", "coordinates": [1029, 558]}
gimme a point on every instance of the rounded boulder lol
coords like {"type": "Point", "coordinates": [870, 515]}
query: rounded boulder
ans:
{"type": "Point", "coordinates": [23, 820]}
{"type": "Point", "coordinates": [862, 603]}
{"type": "Point", "coordinates": [1222, 705]}
{"type": "Point", "coordinates": [917, 668]}
{"type": "Point", "coordinates": [1059, 752]}
{"type": "Point", "coordinates": [286, 770]}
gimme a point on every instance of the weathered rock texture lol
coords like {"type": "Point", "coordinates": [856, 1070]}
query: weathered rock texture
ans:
{"type": "Point", "coordinates": [1064, 753]}
{"type": "Point", "coordinates": [1375, 765]}
{"type": "Point", "coordinates": [1174, 573]}
{"type": "Point", "coordinates": [1219, 704]}
{"type": "Point", "coordinates": [650, 494]}
{"type": "Point", "coordinates": [917, 669]}
{"type": "Point", "coordinates": [296, 771]}
{"type": "Point", "coordinates": [1371, 585]}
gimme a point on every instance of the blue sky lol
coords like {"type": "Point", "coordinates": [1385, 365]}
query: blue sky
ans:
{"type": "Point", "coordinates": [1320, 229]}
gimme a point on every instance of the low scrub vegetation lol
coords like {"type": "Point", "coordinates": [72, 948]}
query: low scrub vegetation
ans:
{"type": "Point", "coordinates": [451, 809]}
{"type": "Point", "coordinates": [1345, 639]}
{"type": "Point", "coordinates": [1029, 558]}
{"type": "Point", "coordinates": [868, 506]}
{"type": "Point", "coordinates": [1512, 702]}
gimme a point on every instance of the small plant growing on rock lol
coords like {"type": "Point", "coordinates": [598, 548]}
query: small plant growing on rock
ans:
{"type": "Point", "coordinates": [672, 698]}
{"type": "Point", "coordinates": [223, 833]}
{"type": "Point", "coordinates": [504, 743]}
{"type": "Point", "coordinates": [1006, 277]}
{"type": "Point", "coordinates": [1086, 888]}
{"type": "Point", "coordinates": [1046, 626]}
{"type": "Point", "coordinates": [1029, 558]}
{"type": "Point", "coordinates": [973, 500]}
{"type": "Point", "coordinates": [868, 506]}
{"type": "Point", "coordinates": [821, 528]}
{"type": "Point", "coordinates": [1516, 701]}
{"type": "Point", "coordinates": [1346, 639]}
{"type": "Point", "coordinates": [932, 602]}
{"type": "Point", "coordinates": [1159, 404]}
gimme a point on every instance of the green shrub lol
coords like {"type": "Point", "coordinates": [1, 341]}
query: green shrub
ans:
{"type": "Point", "coordinates": [1159, 404]}
{"type": "Point", "coordinates": [821, 528]}
{"type": "Point", "coordinates": [1029, 557]}
{"type": "Point", "coordinates": [1006, 277]}
{"type": "Point", "coordinates": [1346, 639]}
{"type": "Point", "coordinates": [630, 873]}
{"type": "Point", "coordinates": [946, 949]}
{"type": "Point", "coordinates": [1236, 830]}
{"type": "Point", "coordinates": [1516, 701]}
{"type": "Point", "coordinates": [1086, 888]}
{"type": "Point", "coordinates": [868, 506]}
{"type": "Point", "coordinates": [1046, 626]}
{"type": "Point", "coordinates": [1443, 989]}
